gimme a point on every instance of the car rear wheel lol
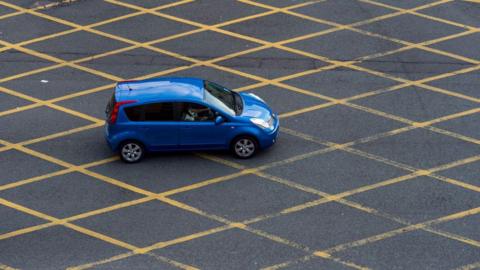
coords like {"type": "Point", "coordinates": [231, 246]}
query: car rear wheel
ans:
{"type": "Point", "coordinates": [132, 151]}
{"type": "Point", "coordinates": [244, 147]}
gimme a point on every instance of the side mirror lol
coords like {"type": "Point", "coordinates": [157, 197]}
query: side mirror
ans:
{"type": "Point", "coordinates": [219, 119]}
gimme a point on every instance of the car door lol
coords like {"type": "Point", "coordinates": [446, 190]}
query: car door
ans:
{"type": "Point", "coordinates": [158, 125]}
{"type": "Point", "coordinates": [198, 129]}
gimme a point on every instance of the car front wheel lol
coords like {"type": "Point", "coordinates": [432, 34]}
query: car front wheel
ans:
{"type": "Point", "coordinates": [131, 151]}
{"type": "Point", "coordinates": [244, 147]}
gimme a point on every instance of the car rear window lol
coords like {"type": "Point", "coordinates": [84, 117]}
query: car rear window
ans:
{"type": "Point", "coordinates": [110, 106]}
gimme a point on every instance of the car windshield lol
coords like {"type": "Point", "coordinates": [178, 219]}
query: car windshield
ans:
{"type": "Point", "coordinates": [224, 98]}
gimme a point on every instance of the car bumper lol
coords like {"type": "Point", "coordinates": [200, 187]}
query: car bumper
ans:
{"type": "Point", "coordinates": [270, 138]}
{"type": "Point", "coordinates": [109, 141]}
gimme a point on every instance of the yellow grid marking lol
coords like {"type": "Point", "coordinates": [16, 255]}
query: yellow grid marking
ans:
{"type": "Point", "coordinates": [469, 266]}
{"type": "Point", "coordinates": [183, 206]}
{"type": "Point", "coordinates": [262, 82]}
{"type": "Point", "coordinates": [6, 267]}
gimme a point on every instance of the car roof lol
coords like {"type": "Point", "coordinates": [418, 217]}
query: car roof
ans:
{"type": "Point", "coordinates": [166, 88]}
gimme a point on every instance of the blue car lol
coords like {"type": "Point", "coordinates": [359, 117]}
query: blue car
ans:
{"type": "Point", "coordinates": [171, 114]}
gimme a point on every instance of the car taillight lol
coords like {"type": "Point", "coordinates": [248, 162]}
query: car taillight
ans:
{"type": "Point", "coordinates": [116, 108]}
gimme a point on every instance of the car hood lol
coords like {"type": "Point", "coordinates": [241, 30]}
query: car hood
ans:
{"type": "Point", "coordinates": [255, 107]}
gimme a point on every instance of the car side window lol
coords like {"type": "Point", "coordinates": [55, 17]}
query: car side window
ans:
{"type": "Point", "coordinates": [151, 112]}
{"type": "Point", "coordinates": [193, 112]}
{"type": "Point", "coordinates": [159, 112]}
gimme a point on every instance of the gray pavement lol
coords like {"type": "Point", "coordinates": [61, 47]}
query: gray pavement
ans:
{"type": "Point", "coordinates": [377, 165]}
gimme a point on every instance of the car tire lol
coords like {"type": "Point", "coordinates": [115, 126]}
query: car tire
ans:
{"type": "Point", "coordinates": [244, 147]}
{"type": "Point", "coordinates": [132, 151]}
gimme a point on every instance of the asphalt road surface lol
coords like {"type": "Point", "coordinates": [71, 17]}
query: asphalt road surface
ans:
{"type": "Point", "coordinates": [377, 165]}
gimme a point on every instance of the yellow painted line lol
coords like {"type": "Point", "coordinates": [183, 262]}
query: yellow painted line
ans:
{"type": "Point", "coordinates": [50, 5]}
{"type": "Point", "coordinates": [346, 263]}
{"type": "Point", "coordinates": [105, 261]}
{"type": "Point", "coordinates": [20, 109]}
{"type": "Point", "coordinates": [338, 197]}
{"type": "Point", "coordinates": [42, 38]}
{"type": "Point", "coordinates": [59, 61]}
{"type": "Point", "coordinates": [221, 161]}
{"type": "Point", "coordinates": [235, 225]}
{"type": "Point", "coordinates": [415, 172]}
{"type": "Point", "coordinates": [414, 12]}
{"type": "Point", "coordinates": [402, 230]}
{"type": "Point", "coordinates": [74, 227]}
{"type": "Point", "coordinates": [129, 254]}
{"type": "Point", "coordinates": [381, 135]}
{"type": "Point", "coordinates": [146, 250]}
{"type": "Point", "coordinates": [477, 264]}
{"type": "Point", "coordinates": [119, 183]}
{"type": "Point", "coordinates": [31, 72]}
{"type": "Point", "coordinates": [109, 209]}
{"type": "Point", "coordinates": [48, 175]}
{"type": "Point", "coordinates": [453, 135]}
{"type": "Point", "coordinates": [116, 182]}
{"type": "Point", "coordinates": [63, 133]}
{"type": "Point", "coordinates": [10, 14]}
{"type": "Point", "coordinates": [291, 184]}
{"type": "Point", "coordinates": [52, 174]}
{"type": "Point", "coordinates": [6, 267]}
{"type": "Point", "coordinates": [78, 168]}
{"type": "Point", "coordinates": [457, 183]}
{"type": "Point", "coordinates": [315, 254]}
{"type": "Point", "coordinates": [204, 183]}
{"type": "Point", "coordinates": [100, 236]}
{"type": "Point", "coordinates": [53, 106]}
{"type": "Point", "coordinates": [172, 262]}
{"type": "Point", "coordinates": [393, 233]}
{"type": "Point", "coordinates": [74, 218]}
{"type": "Point", "coordinates": [294, 158]}
{"type": "Point", "coordinates": [247, 38]}
{"type": "Point", "coordinates": [155, 12]}
{"type": "Point", "coordinates": [307, 109]}
{"type": "Point", "coordinates": [36, 154]}
{"type": "Point", "coordinates": [98, 24]}
{"type": "Point", "coordinates": [453, 236]}
{"type": "Point", "coordinates": [182, 239]}
{"type": "Point", "coordinates": [69, 225]}
{"type": "Point", "coordinates": [456, 163]}
{"type": "Point", "coordinates": [82, 93]}
{"type": "Point", "coordinates": [288, 263]}
{"type": "Point", "coordinates": [452, 116]}
{"type": "Point", "coordinates": [55, 135]}
{"type": "Point", "coordinates": [188, 238]}
{"type": "Point", "coordinates": [393, 117]}
{"type": "Point", "coordinates": [410, 45]}
{"type": "Point", "coordinates": [34, 179]}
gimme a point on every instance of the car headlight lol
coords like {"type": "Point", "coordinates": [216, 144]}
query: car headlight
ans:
{"type": "Point", "coordinates": [261, 123]}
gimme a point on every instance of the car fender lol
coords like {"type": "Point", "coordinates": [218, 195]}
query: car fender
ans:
{"type": "Point", "coordinates": [245, 130]}
{"type": "Point", "coordinates": [118, 138]}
